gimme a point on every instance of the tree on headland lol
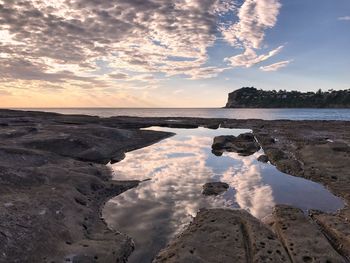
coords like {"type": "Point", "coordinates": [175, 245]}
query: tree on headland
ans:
{"type": "Point", "coordinates": [250, 97]}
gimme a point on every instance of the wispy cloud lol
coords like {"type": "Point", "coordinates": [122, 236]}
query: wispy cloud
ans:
{"type": "Point", "coordinates": [276, 66]}
{"type": "Point", "coordinates": [4, 93]}
{"type": "Point", "coordinates": [255, 17]}
{"type": "Point", "coordinates": [344, 18]}
{"type": "Point", "coordinates": [250, 57]}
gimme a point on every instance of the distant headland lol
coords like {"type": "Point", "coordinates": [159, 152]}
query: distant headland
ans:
{"type": "Point", "coordinates": [250, 97]}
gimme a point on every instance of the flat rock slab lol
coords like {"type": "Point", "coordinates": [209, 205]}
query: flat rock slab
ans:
{"type": "Point", "coordinates": [53, 187]}
{"type": "Point", "coordinates": [224, 235]}
{"type": "Point", "coordinates": [337, 228]}
{"type": "Point", "coordinates": [215, 188]}
{"type": "Point", "coordinates": [302, 238]}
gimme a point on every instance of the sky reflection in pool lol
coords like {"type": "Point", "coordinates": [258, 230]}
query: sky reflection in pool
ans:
{"type": "Point", "coordinates": [178, 167]}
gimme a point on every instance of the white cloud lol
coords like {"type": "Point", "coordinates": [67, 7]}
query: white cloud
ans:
{"type": "Point", "coordinates": [255, 17]}
{"type": "Point", "coordinates": [250, 58]}
{"type": "Point", "coordinates": [132, 35]}
{"type": "Point", "coordinates": [178, 91]}
{"type": "Point", "coordinates": [344, 18]}
{"type": "Point", "coordinates": [4, 93]}
{"type": "Point", "coordinates": [276, 66]}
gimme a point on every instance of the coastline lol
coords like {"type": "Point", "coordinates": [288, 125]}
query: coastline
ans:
{"type": "Point", "coordinates": [53, 199]}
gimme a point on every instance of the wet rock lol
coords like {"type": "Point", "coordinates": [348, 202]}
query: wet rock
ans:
{"type": "Point", "coordinates": [303, 240]}
{"type": "Point", "coordinates": [224, 236]}
{"type": "Point", "coordinates": [90, 143]}
{"type": "Point", "coordinates": [221, 142]}
{"type": "Point", "coordinates": [217, 152]}
{"type": "Point", "coordinates": [32, 184]}
{"type": "Point", "coordinates": [340, 147]}
{"type": "Point", "coordinates": [119, 157]}
{"type": "Point", "coordinates": [263, 158]}
{"type": "Point", "coordinates": [275, 154]}
{"type": "Point", "coordinates": [52, 187]}
{"type": "Point", "coordinates": [214, 188]}
{"type": "Point", "coordinates": [289, 166]}
{"type": "Point", "coordinates": [244, 144]}
{"type": "Point", "coordinates": [212, 126]}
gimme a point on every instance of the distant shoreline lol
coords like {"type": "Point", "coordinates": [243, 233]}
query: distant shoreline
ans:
{"type": "Point", "coordinates": [250, 97]}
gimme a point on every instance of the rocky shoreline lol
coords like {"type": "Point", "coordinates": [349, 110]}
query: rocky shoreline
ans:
{"type": "Point", "coordinates": [54, 183]}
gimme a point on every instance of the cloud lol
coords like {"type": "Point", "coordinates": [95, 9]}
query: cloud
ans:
{"type": "Point", "coordinates": [135, 35]}
{"type": "Point", "coordinates": [249, 58]}
{"type": "Point", "coordinates": [102, 44]}
{"type": "Point", "coordinates": [178, 91]}
{"type": "Point", "coordinates": [276, 66]}
{"type": "Point", "coordinates": [344, 18]}
{"type": "Point", "coordinates": [252, 194]}
{"type": "Point", "coordinates": [5, 93]}
{"type": "Point", "coordinates": [118, 75]}
{"type": "Point", "coordinates": [255, 17]}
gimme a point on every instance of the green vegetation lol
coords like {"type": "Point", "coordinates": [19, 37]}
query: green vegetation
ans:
{"type": "Point", "coordinates": [250, 97]}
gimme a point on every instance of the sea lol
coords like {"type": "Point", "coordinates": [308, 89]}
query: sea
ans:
{"type": "Point", "coordinates": [265, 114]}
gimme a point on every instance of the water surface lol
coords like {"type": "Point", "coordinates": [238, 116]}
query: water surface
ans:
{"type": "Point", "coordinates": [178, 167]}
{"type": "Point", "coordinates": [265, 114]}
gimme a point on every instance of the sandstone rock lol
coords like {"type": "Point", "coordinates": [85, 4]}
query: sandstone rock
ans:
{"type": "Point", "coordinates": [337, 228]}
{"type": "Point", "coordinates": [52, 187]}
{"type": "Point", "coordinates": [303, 239]}
{"type": "Point", "coordinates": [224, 236]}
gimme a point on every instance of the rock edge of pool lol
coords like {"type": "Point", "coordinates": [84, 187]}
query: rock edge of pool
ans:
{"type": "Point", "coordinates": [54, 183]}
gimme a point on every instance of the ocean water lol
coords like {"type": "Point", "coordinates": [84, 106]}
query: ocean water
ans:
{"type": "Point", "coordinates": [265, 114]}
{"type": "Point", "coordinates": [175, 170]}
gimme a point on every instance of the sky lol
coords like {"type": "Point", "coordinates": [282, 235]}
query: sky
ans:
{"type": "Point", "coordinates": [167, 53]}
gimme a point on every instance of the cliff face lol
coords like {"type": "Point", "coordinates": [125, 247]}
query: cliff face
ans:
{"type": "Point", "coordinates": [250, 97]}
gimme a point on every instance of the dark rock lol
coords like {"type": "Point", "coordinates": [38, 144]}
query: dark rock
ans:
{"type": "Point", "coordinates": [275, 154]}
{"type": "Point", "coordinates": [212, 126]}
{"type": "Point", "coordinates": [217, 152]}
{"type": "Point", "coordinates": [52, 187]}
{"type": "Point", "coordinates": [244, 144]}
{"type": "Point", "coordinates": [290, 166]}
{"type": "Point", "coordinates": [118, 158]}
{"type": "Point", "coordinates": [221, 142]}
{"type": "Point", "coordinates": [340, 147]}
{"type": "Point", "coordinates": [263, 158]}
{"type": "Point", "coordinates": [214, 188]}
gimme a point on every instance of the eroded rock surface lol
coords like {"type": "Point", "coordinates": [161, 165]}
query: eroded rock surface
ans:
{"type": "Point", "coordinates": [224, 236]}
{"type": "Point", "coordinates": [52, 187]}
{"type": "Point", "coordinates": [215, 188]}
{"type": "Point", "coordinates": [337, 229]}
{"type": "Point", "coordinates": [303, 239]}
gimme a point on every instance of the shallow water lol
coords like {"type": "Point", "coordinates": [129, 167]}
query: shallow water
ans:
{"type": "Point", "coordinates": [265, 114]}
{"type": "Point", "coordinates": [178, 167]}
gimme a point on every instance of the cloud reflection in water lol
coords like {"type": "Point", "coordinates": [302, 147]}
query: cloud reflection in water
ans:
{"type": "Point", "coordinates": [178, 167]}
